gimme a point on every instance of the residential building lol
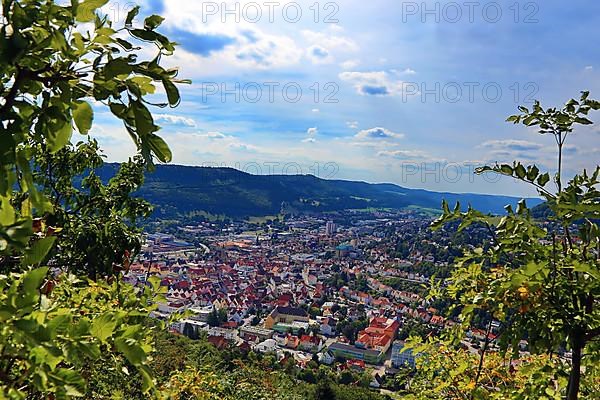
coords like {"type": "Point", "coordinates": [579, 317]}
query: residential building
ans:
{"type": "Point", "coordinates": [379, 335]}
{"type": "Point", "coordinates": [267, 346]}
{"type": "Point", "coordinates": [285, 315]}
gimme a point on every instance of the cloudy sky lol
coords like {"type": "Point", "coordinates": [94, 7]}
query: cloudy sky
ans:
{"type": "Point", "coordinates": [414, 93]}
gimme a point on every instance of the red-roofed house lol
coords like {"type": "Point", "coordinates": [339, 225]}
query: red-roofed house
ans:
{"type": "Point", "coordinates": [311, 344]}
{"type": "Point", "coordinates": [379, 335]}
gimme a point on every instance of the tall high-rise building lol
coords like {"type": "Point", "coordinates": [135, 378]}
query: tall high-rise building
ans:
{"type": "Point", "coordinates": [330, 228]}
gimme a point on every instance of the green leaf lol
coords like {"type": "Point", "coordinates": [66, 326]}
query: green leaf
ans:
{"type": "Point", "coordinates": [144, 83]}
{"type": "Point", "coordinates": [160, 148]}
{"type": "Point", "coordinates": [116, 67]}
{"type": "Point", "coordinates": [517, 280]}
{"type": "Point", "coordinates": [481, 170]}
{"type": "Point", "coordinates": [118, 110]}
{"type": "Point", "coordinates": [103, 327]}
{"type": "Point", "coordinates": [38, 251]}
{"type": "Point", "coordinates": [74, 384]}
{"type": "Point", "coordinates": [587, 269]}
{"type": "Point", "coordinates": [33, 279]}
{"type": "Point", "coordinates": [149, 36]}
{"type": "Point", "coordinates": [60, 323]}
{"type": "Point", "coordinates": [583, 121]}
{"type": "Point", "coordinates": [154, 282]}
{"type": "Point", "coordinates": [131, 15]}
{"type": "Point", "coordinates": [543, 179]}
{"type": "Point", "coordinates": [532, 173]}
{"type": "Point", "coordinates": [83, 116]}
{"type": "Point", "coordinates": [506, 169]}
{"type": "Point", "coordinates": [7, 212]}
{"type": "Point", "coordinates": [147, 381]}
{"type": "Point", "coordinates": [172, 92]}
{"type": "Point", "coordinates": [60, 137]}
{"type": "Point", "coordinates": [520, 171]}
{"type": "Point", "coordinates": [43, 356]}
{"type": "Point", "coordinates": [131, 350]}
{"type": "Point", "coordinates": [531, 120]}
{"type": "Point", "coordinates": [522, 207]}
{"type": "Point", "coordinates": [153, 22]}
{"type": "Point", "coordinates": [531, 269]}
{"type": "Point", "coordinates": [144, 122]}
{"type": "Point", "coordinates": [86, 11]}
{"type": "Point", "coordinates": [126, 45]}
{"type": "Point", "coordinates": [445, 207]}
{"type": "Point", "coordinates": [77, 41]}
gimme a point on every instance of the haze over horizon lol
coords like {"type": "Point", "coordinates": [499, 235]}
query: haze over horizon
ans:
{"type": "Point", "coordinates": [411, 93]}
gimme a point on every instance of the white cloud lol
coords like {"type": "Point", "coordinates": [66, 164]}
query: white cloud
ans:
{"type": "Point", "coordinates": [336, 28]}
{"type": "Point", "coordinates": [268, 51]}
{"type": "Point", "coordinates": [374, 83]}
{"type": "Point", "coordinates": [332, 42]}
{"type": "Point", "coordinates": [309, 140]}
{"type": "Point", "coordinates": [352, 124]}
{"type": "Point", "coordinates": [247, 44]}
{"type": "Point", "coordinates": [511, 145]}
{"type": "Point", "coordinates": [418, 157]}
{"type": "Point", "coordinates": [510, 149]}
{"type": "Point", "coordinates": [319, 55]}
{"type": "Point", "coordinates": [378, 134]}
{"type": "Point", "coordinates": [175, 120]}
{"type": "Point", "coordinates": [350, 64]}
{"type": "Point", "coordinates": [323, 45]}
{"type": "Point", "coordinates": [312, 131]}
{"type": "Point", "coordinates": [404, 154]}
{"type": "Point", "coordinates": [243, 147]}
{"type": "Point", "coordinates": [316, 110]}
{"type": "Point", "coordinates": [215, 135]}
{"type": "Point", "coordinates": [589, 68]}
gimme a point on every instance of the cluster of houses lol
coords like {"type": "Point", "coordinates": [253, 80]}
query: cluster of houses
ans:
{"type": "Point", "coordinates": [265, 285]}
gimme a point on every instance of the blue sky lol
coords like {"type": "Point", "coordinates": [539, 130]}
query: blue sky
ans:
{"type": "Point", "coordinates": [414, 93]}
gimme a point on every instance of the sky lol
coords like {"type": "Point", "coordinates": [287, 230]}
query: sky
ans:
{"type": "Point", "coordinates": [412, 93]}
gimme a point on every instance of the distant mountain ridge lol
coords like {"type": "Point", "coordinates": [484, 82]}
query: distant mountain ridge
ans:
{"type": "Point", "coordinates": [177, 190]}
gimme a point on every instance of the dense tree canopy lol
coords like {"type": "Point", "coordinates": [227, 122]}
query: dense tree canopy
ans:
{"type": "Point", "coordinates": [65, 236]}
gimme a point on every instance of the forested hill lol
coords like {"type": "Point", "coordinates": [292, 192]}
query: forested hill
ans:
{"type": "Point", "coordinates": [176, 190]}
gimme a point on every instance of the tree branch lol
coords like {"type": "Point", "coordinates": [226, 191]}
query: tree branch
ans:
{"type": "Point", "coordinates": [483, 350]}
{"type": "Point", "coordinates": [21, 76]}
{"type": "Point", "coordinates": [14, 91]}
{"type": "Point", "coordinates": [592, 334]}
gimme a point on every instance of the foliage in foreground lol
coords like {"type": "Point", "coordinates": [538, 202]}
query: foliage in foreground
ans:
{"type": "Point", "coordinates": [539, 279]}
{"type": "Point", "coordinates": [447, 372]}
{"type": "Point", "coordinates": [189, 369]}
{"type": "Point", "coordinates": [48, 336]}
{"type": "Point", "coordinates": [195, 369]}
{"type": "Point", "coordinates": [65, 236]}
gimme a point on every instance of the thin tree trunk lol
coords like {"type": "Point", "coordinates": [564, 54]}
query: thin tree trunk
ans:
{"type": "Point", "coordinates": [575, 376]}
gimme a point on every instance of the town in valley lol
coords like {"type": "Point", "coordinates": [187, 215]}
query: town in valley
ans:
{"type": "Point", "coordinates": [342, 289]}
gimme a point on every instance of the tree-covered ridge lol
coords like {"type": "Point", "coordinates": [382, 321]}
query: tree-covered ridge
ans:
{"type": "Point", "coordinates": [179, 190]}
